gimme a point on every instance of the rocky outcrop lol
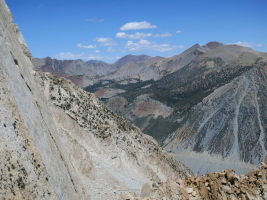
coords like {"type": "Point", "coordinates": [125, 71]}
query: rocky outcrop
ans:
{"type": "Point", "coordinates": [224, 185]}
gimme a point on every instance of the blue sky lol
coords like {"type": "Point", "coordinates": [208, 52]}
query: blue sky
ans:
{"type": "Point", "coordinates": [108, 29]}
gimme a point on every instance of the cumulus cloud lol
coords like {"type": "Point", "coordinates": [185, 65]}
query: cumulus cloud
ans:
{"type": "Point", "coordinates": [111, 49]}
{"type": "Point", "coordinates": [95, 20]}
{"type": "Point", "coordinates": [259, 45]}
{"type": "Point", "coordinates": [70, 56]}
{"type": "Point", "coordinates": [83, 46]}
{"type": "Point", "coordinates": [247, 44]}
{"type": "Point", "coordinates": [139, 35]}
{"type": "Point", "coordinates": [137, 26]}
{"type": "Point", "coordinates": [94, 57]}
{"type": "Point", "coordinates": [73, 56]}
{"type": "Point", "coordinates": [136, 35]}
{"type": "Point", "coordinates": [148, 45]}
{"type": "Point", "coordinates": [244, 44]}
{"type": "Point", "coordinates": [178, 31]}
{"type": "Point", "coordinates": [106, 41]}
{"type": "Point", "coordinates": [162, 35]}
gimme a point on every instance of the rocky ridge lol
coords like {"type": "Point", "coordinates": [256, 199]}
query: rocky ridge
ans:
{"type": "Point", "coordinates": [85, 73]}
{"type": "Point", "coordinates": [78, 71]}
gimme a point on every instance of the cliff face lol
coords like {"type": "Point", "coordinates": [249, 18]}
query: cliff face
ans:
{"type": "Point", "coordinates": [27, 146]}
{"type": "Point", "coordinates": [60, 142]}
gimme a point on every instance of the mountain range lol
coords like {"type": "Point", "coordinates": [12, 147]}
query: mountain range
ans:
{"type": "Point", "coordinates": [207, 102]}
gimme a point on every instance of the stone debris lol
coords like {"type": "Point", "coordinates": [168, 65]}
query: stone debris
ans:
{"type": "Point", "coordinates": [224, 185]}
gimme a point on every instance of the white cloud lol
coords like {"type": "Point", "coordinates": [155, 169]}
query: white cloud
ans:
{"type": "Point", "coordinates": [97, 51]}
{"type": "Point", "coordinates": [178, 31]}
{"type": "Point", "coordinates": [244, 44]}
{"type": "Point", "coordinates": [70, 56]}
{"type": "Point", "coordinates": [95, 20]}
{"type": "Point", "coordinates": [138, 35]}
{"type": "Point", "coordinates": [103, 39]}
{"type": "Point", "coordinates": [247, 44]}
{"type": "Point", "coordinates": [94, 57]}
{"type": "Point", "coordinates": [106, 41]}
{"type": "Point", "coordinates": [111, 49]}
{"type": "Point", "coordinates": [148, 45]}
{"type": "Point", "coordinates": [80, 45]}
{"type": "Point", "coordinates": [73, 56]}
{"type": "Point", "coordinates": [162, 35]}
{"type": "Point", "coordinates": [137, 26]}
{"type": "Point", "coordinates": [259, 45]}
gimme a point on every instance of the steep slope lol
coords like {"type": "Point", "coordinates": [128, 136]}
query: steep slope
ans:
{"type": "Point", "coordinates": [26, 146]}
{"type": "Point", "coordinates": [60, 142]}
{"type": "Point", "coordinates": [230, 122]}
{"type": "Point", "coordinates": [118, 144]}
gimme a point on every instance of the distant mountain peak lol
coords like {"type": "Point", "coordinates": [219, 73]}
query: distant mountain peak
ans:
{"type": "Point", "coordinates": [213, 44]}
{"type": "Point", "coordinates": [132, 58]}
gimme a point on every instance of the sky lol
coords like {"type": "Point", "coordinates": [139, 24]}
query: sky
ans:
{"type": "Point", "coordinates": [109, 29]}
